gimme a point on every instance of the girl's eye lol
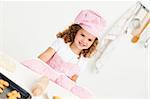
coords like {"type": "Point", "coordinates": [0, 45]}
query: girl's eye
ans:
{"type": "Point", "coordinates": [82, 35]}
{"type": "Point", "coordinates": [89, 40]}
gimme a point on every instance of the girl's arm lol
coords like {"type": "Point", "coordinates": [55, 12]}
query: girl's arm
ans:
{"type": "Point", "coordinates": [47, 54]}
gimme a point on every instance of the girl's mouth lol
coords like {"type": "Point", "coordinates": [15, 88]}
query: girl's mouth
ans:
{"type": "Point", "coordinates": [82, 44]}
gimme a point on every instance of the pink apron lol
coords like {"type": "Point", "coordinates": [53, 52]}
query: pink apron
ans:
{"type": "Point", "coordinates": [59, 72]}
{"type": "Point", "coordinates": [58, 64]}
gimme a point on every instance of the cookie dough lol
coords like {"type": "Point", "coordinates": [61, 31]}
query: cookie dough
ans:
{"type": "Point", "coordinates": [7, 63]}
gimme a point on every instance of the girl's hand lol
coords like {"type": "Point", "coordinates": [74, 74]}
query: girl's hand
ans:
{"type": "Point", "coordinates": [74, 78]}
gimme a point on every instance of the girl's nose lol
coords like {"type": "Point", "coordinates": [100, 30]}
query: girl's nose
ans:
{"type": "Point", "coordinates": [84, 41]}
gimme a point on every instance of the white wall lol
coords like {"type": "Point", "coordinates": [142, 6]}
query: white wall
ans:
{"type": "Point", "coordinates": [1, 24]}
{"type": "Point", "coordinates": [29, 28]}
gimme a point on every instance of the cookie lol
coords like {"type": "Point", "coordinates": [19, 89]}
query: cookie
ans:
{"type": "Point", "coordinates": [56, 97]}
{"type": "Point", "coordinates": [13, 94]}
{"type": "Point", "coordinates": [2, 86]}
{"type": "Point", "coordinates": [1, 91]}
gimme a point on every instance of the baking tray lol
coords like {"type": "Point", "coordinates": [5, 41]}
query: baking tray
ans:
{"type": "Point", "coordinates": [13, 86]}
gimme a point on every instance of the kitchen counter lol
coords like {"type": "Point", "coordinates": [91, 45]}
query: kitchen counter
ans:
{"type": "Point", "coordinates": [25, 78]}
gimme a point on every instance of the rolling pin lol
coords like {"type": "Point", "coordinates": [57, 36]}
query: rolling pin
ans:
{"type": "Point", "coordinates": [39, 87]}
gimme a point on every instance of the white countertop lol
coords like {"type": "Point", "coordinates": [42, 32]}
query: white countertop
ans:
{"type": "Point", "coordinates": [25, 78]}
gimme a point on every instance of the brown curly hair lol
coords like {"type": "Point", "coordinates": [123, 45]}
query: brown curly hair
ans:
{"type": "Point", "coordinates": [69, 35]}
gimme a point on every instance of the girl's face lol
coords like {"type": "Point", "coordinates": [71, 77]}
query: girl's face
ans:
{"type": "Point", "coordinates": [83, 39]}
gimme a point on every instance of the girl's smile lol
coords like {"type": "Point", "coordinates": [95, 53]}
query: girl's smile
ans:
{"type": "Point", "coordinates": [82, 44]}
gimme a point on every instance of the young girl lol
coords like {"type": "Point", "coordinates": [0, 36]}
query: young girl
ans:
{"type": "Point", "coordinates": [69, 53]}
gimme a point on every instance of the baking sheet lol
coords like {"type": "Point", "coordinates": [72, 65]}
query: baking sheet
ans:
{"type": "Point", "coordinates": [13, 86]}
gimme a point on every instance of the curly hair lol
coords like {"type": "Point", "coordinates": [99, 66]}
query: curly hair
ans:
{"type": "Point", "coordinates": [69, 35]}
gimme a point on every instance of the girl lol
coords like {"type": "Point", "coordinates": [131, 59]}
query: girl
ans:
{"type": "Point", "coordinates": [69, 53]}
{"type": "Point", "coordinates": [75, 44]}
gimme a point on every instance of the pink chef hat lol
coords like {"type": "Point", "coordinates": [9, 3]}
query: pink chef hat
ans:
{"type": "Point", "coordinates": [91, 22]}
